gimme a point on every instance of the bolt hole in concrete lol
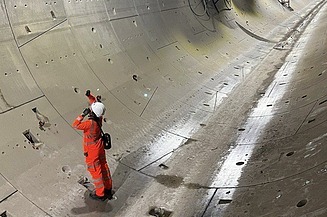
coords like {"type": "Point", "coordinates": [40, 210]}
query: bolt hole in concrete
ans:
{"type": "Point", "coordinates": [66, 169]}
{"type": "Point", "coordinates": [76, 90]}
{"type": "Point", "coordinates": [224, 201]}
{"type": "Point", "coordinates": [323, 102]}
{"type": "Point", "coordinates": [241, 129]}
{"type": "Point", "coordinates": [93, 30]}
{"type": "Point", "coordinates": [312, 120]}
{"type": "Point", "coordinates": [302, 203]}
{"type": "Point", "coordinates": [30, 137]}
{"type": "Point", "coordinates": [239, 163]}
{"type": "Point", "coordinates": [290, 153]}
{"type": "Point", "coordinates": [28, 30]}
{"type": "Point", "coordinates": [159, 212]}
{"type": "Point", "coordinates": [163, 166]}
{"type": "Point", "coordinates": [135, 77]}
{"type": "Point", "coordinates": [53, 15]}
{"type": "Point", "coordinates": [304, 96]}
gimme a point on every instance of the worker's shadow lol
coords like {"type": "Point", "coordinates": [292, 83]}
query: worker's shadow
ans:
{"type": "Point", "coordinates": [91, 206]}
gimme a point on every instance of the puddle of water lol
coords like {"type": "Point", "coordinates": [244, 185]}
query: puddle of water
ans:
{"type": "Point", "coordinates": [169, 181]}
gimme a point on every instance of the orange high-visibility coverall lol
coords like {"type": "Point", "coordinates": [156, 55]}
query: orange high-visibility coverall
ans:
{"type": "Point", "coordinates": [94, 153]}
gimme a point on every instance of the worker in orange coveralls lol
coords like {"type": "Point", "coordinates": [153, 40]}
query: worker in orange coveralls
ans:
{"type": "Point", "coordinates": [94, 152]}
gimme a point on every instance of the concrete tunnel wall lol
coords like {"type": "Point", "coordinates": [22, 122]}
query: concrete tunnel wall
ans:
{"type": "Point", "coordinates": [163, 74]}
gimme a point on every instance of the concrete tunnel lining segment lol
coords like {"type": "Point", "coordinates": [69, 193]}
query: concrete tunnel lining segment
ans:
{"type": "Point", "coordinates": [197, 81]}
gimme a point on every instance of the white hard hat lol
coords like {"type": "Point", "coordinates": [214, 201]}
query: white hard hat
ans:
{"type": "Point", "coordinates": [98, 109]}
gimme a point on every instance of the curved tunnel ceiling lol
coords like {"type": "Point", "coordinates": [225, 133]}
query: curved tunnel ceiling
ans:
{"type": "Point", "coordinates": [215, 109]}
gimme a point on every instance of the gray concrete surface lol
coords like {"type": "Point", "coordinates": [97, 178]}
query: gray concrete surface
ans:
{"type": "Point", "coordinates": [213, 111]}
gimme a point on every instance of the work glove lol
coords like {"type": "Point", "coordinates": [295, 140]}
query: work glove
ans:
{"type": "Point", "coordinates": [88, 93]}
{"type": "Point", "coordinates": [86, 111]}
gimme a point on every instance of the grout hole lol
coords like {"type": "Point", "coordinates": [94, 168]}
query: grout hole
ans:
{"type": "Point", "coordinates": [66, 169]}
{"type": "Point", "coordinates": [301, 203]}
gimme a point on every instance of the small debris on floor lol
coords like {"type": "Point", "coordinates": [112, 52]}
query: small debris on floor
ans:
{"type": "Point", "coordinates": [159, 212]}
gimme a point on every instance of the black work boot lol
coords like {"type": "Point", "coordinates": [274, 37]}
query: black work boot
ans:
{"type": "Point", "coordinates": [96, 197]}
{"type": "Point", "coordinates": [109, 193]}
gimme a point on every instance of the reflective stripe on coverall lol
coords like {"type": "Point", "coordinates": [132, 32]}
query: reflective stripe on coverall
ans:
{"type": "Point", "coordinates": [95, 158]}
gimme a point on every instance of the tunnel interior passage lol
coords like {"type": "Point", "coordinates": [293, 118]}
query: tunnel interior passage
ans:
{"type": "Point", "coordinates": [215, 108]}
